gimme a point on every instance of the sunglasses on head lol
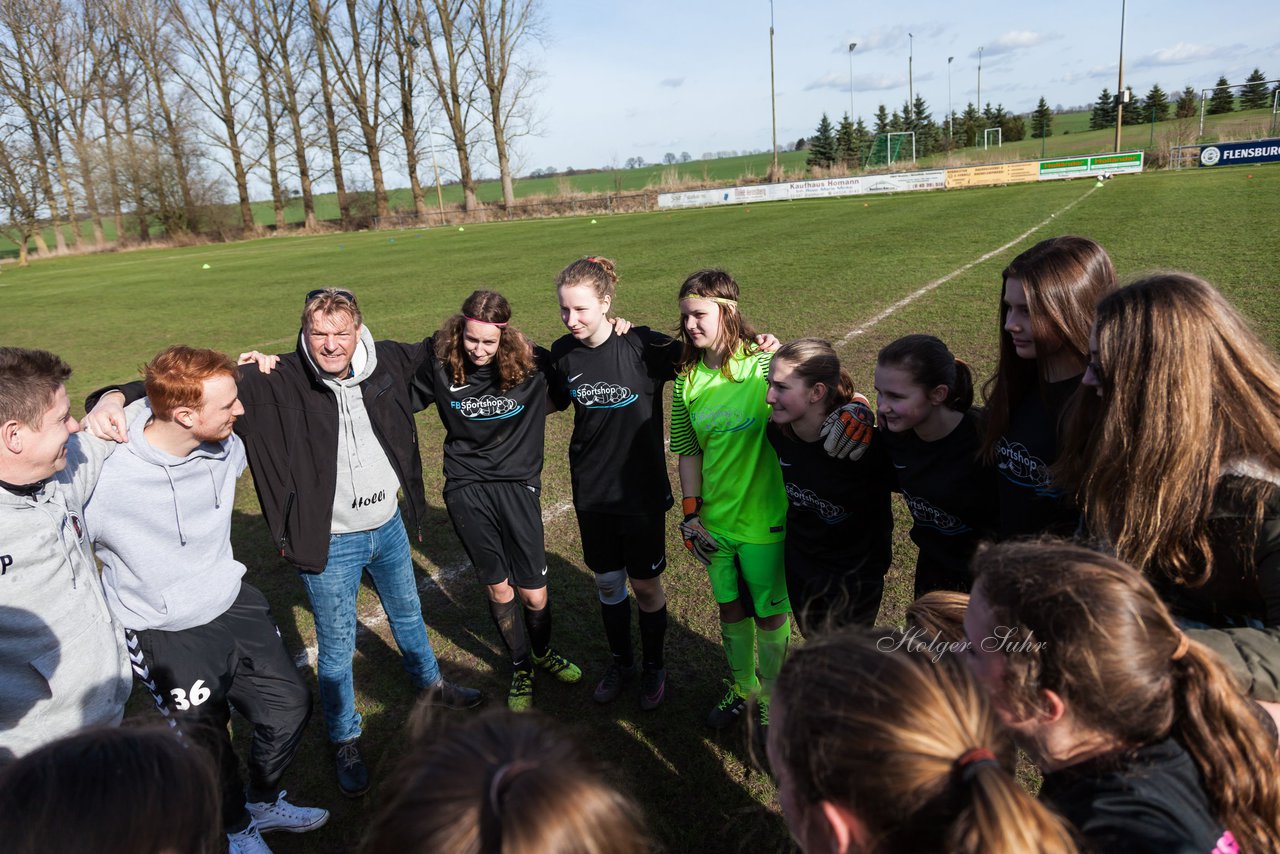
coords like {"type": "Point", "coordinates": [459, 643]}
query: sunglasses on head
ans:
{"type": "Point", "coordinates": [338, 292]}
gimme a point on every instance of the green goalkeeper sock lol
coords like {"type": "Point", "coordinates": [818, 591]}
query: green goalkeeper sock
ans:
{"type": "Point", "coordinates": [773, 651]}
{"type": "Point", "coordinates": [739, 641]}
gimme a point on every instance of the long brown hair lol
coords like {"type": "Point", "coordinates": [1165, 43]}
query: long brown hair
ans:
{"type": "Point", "coordinates": [864, 724]}
{"type": "Point", "coordinates": [514, 359]}
{"type": "Point", "coordinates": [1106, 644]}
{"type": "Point", "coordinates": [735, 332]}
{"type": "Point", "coordinates": [1188, 388]}
{"type": "Point", "coordinates": [502, 783]}
{"type": "Point", "coordinates": [115, 790]}
{"type": "Point", "coordinates": [1063, 278]}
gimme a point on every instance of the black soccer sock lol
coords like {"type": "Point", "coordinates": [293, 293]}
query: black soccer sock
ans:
{"type": "Point", "coordinates": [539, 625]}
{"type": "Point", "coordinates": [653, 634]}
{"type": "Point", "coordinates": [617, 629]}
{"type": "Point", "coordinates": [511, 632]}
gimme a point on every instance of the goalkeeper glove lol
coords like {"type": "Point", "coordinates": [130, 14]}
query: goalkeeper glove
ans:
{"type": "Point", "coordinates": [847, 431]}
{"type": "Point", "coordinates": [696, 539]}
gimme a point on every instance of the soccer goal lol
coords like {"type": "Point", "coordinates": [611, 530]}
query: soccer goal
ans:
{"type": "Point", "coordinates": [986, 138]}
{"type": "Point", "coordinates": [887, 148]}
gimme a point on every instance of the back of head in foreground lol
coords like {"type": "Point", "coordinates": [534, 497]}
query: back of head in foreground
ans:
{"type": "Point", "coordinates": [503, 783]}
{"type": "Point", "coordinates": [880, 750]}
{"type": "Point", "coordinates": [111, 790]}
{"type": "Point", "coordinates": [1107, 650]}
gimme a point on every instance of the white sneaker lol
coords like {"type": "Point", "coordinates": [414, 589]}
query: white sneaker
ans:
{"type": "Point", "coordinates": [248, 841]}
{"type": "Point", "coordinates": [282, 815]}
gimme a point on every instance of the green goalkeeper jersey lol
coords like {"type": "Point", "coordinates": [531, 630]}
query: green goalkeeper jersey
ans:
{"type": "Point", "coordinates": [723, 421]}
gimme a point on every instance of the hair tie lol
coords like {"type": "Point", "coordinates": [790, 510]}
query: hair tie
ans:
{"type": "Point", "coordinates": [502, 325]}
{"type": "Point", "coordinates": [1184, 643]}
{"type": "Point", "coordinates": [593, 259]}
{"type": "Point", "coordinates": [505, 774]}
{"type": "Point", "coordinates": [971, 760]}
{"type": "Point", "coordinates": [720, 300]}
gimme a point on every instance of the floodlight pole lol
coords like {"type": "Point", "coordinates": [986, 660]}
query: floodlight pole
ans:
{"type": "Point", "coordinates": [1120, 80]}
{"type": "Point", "coordinates": [773, 95]}
{"type": "Point", "coordinates": [911, 51]}
{"type": "Point", "coordinates": [951, 120]}
{"type": "Point", "coordinates": [979, 79]}
{"type": "Point", "coordinates": [852, 45]}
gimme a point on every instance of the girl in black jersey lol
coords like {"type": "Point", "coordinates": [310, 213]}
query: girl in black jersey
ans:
{"type": "Point", "coordinates": [1046, 309]}
{"type": "Point", "coordinates": [621, 491]}
{"type": "Point", "coordinates": [1146, 741]}
{"type": "Point", "coordinates": [487, 382]}
{"type": "Point", "coordinates": [839, 522]}
{"type": "Point", "coordinates": [924, 400]}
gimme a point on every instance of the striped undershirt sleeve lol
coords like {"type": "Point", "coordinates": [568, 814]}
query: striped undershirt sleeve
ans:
{"type": "Point", "coordinates": [683, 440]}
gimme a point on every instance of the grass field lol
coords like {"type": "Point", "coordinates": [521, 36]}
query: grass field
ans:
{"type": "Point", "coordinates": [823, 267]}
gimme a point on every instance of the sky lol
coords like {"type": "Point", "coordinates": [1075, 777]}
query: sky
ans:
{"type": "Point", "coordinates": [620, 80]}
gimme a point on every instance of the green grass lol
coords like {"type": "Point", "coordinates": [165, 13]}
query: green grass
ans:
{"type": "Point", "coordinates": [821, 267]}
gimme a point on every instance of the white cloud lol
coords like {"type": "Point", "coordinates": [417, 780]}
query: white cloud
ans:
{"type": "Point", "coordinates": [861, 82]}
{"type": "Point", "coordinates": [1012, 41]}
{"type": "Point", "coordinates": [1093, 73]}
{"type": "Point", "coordinates": [891, 37]}
{"type": "Point", "coordinates": [1182, 53]}
{"type": "Point", "coordinates": [672, 82]}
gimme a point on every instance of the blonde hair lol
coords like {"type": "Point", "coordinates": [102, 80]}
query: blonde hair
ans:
{"type": "Point", "coordinates": [1099, 637]}
{"type": "Point", "coordinates": [1187, 389]}
{"type": "Point", "coordinates": [329, 302]}
{"type": "Point", "coordinates": [502, 783]}
{"type": "Point", "coordinates": [593, 271]}
{"type": "Point", "coordinates": [882, 732]}
{"type": "Point", "coordinates": [939, 613]}
{"type": "Point", "coordinates": [1063, 278]}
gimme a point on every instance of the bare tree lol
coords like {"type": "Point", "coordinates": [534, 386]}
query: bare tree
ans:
{"type": "Point", "coordinates": [357, 47]}
{"type": "Point", "coordinates": [211, 40]}
{"type": "Point", "coordinates": [247, 17]}
{"type": "Point", "coordinates": [502, 27]}
{"type": "Point", "coordinates": [448, 31]}
{"type": "Point", "coordinates": [320, 29]}
{"type": "Point", "coordinates": [404, 50]}
{"type": "Point", "coordinates": [280, 17]}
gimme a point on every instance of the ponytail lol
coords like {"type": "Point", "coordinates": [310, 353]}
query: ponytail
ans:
{"type": "Point", "coordinates": [815, 361]}
{"type": "Point", "coordinates": [1235, 754]}
{"type": "Point", "coordinates": [997, 815]}
{"type": "Point", "coordinates": [930, 364]}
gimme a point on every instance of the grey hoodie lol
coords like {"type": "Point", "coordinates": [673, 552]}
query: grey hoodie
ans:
{"type": "Point", "coordinates": [62, 656]}
{"type": "Point", "coordinates": [365, 495]}
{"type": "Point", "coordinates": [161, 525]}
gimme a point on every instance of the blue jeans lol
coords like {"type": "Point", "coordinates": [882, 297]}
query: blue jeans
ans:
{"type": "Point", "coordinates": [384, 552]}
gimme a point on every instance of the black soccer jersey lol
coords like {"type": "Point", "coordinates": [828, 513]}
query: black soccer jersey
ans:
{"type": "Point", "coordinates": [838, 513]}
{"type": "Point", "coordinates": [616, 455]}
{"type": "Point", "coordinates": [1028, 500]}
{"type": "Point", "coordinates": [951, 496]}
{"type": "Point", "coordinates": [490, 434]}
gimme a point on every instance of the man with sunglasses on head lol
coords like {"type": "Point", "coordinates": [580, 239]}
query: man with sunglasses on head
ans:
{"type": "Point", "coordinates": [331, 439]}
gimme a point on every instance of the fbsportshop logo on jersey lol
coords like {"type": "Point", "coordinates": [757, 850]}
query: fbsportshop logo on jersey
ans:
{"type": "Point", "coordinates": [603, 395]}
{"type": "Point", "coordinates": [487, 407]}
{"type": "Point", "coordinates": [1018, 465]}
{"type": "Point", "coordinates": [928, 516]}
{"type": "Point", "coordinates": [721, 420]}
{"type": "Point", "coordinates": [807, 499]}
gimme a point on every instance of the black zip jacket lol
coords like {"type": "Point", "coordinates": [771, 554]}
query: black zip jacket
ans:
{"type": "Point", "coordinates": [290, 433]}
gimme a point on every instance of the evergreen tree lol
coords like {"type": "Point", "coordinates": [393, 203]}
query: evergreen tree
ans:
{"type": "Point", "coordinates": [970, 123]}
{"type": "Point", "coordinates": [1255, 95]}
{"type": "Point", "coordinates": [846, 150]}
{"type": "Point", "coordinates": [1012, 128]}
{"type": "Point", "coordinates": [1042, 120]}
{"type": "Point", "coordinates": [895, 123]}
{"type": "Point", "coordinates": [928, 138]}
{"type": "Point", "coordinates": [908, 116]}
{"type": "Point", "coordinates": [1155, 106]}
{"type": "Point", "coordinates": [1104, 111]}
{"type": "Point", "coordinates": [882, 120]}
{"type": "Point", "coordinates": [822, 145]}
{"type": "Point", "coordinates": [1135, 112]}
{"type": "Point", "coordinates": [861, 141]}
{"type": "Point", "coordinates": [1221, 100]}
{"type": "Point", "coordinates": [1187, 106]}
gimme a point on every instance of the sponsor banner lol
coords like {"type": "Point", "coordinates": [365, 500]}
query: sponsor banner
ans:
{"type": "Point", "coordinates": [997, 173]}
{"type": "Point", "coordinates": [1086, 165]}
{"type": "Point", "coordinates": [1232, 153]}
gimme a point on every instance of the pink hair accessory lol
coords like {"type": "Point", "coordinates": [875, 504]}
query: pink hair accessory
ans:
{"type": "Point", "coordinates": [485, 322]}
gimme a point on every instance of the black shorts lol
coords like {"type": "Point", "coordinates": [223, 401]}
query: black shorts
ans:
{"type": "Point", "coordinates": [637, 544]}
{"type": "Point", "coordinates": [500, 526]}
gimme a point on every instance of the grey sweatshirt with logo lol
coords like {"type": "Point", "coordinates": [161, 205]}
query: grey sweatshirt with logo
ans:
{"type": "Point", "coordinates": [62, 656]}
{"type": "Point", "coordinates": [365, 495]}
{"type": "Point", "coordinates": [161, 525]}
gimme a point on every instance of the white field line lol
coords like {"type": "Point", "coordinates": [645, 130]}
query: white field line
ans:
{"type": "Point", "coordinates": [373, 618]}
{"type": "Point", "coordinates": [919, 292]}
